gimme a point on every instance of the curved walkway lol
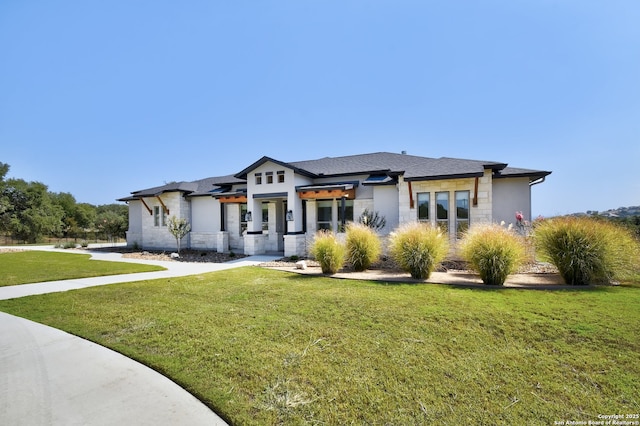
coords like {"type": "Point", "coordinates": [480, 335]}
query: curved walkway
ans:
{"type": "Point", "coordinates": [49, 377]}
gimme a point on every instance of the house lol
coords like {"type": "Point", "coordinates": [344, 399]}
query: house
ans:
{"type": "Point", "coordinates": [276, 206]}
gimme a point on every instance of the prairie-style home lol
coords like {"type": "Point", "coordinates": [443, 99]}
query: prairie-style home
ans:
{"type": "Point", "coordinates": [276, 206]}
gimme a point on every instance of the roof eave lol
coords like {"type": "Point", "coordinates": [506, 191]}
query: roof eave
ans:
{"type": "Point", "coordinates": [443, 177]}
{"type": "Point", "coordinates": [243, 174]}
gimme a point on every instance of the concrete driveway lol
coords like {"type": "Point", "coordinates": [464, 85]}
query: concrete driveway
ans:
{"type": "Point", "coordinates": [49, 377]}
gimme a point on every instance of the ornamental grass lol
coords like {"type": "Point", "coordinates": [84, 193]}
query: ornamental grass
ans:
{"type": "Point", "coordinates": [493, 251]}
{"type": "Point", "coordinates": [363, 246]}
{"type": "Point", "coordinates": [328, 251]}
{"type": "Point", "coordinates": [587, 250]}
{"type": "Point", "coordinates": [418, 248]}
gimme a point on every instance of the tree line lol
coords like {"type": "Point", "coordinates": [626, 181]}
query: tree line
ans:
{"type": "Point", "coordinates": [30, 213]}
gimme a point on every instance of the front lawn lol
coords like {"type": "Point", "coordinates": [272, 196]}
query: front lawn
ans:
{"type": "Point", "coordinates": [268, 347]}
{"type": "Point", "coordinates": [22, 267]}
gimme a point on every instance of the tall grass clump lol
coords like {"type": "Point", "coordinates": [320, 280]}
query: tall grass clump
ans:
{"type": "Point", "coordinates": [363, 246]}
{"type": "Point", "coordinates": [493, 251]}
{"type": "Point", "coordinates": [418, 248]}
{"type": "Point", "coordinates": [328, 251]}
{"type": "Point", "coordinates": [586, 250]}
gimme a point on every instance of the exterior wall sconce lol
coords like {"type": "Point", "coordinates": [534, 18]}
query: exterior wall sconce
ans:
{"type": "Point", "coordinates": [248, 217]}
{"type": "Point", "coordinates": [289, 215]}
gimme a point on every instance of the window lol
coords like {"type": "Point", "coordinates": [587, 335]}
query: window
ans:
{"type": "Point", "coordinates": [442, 210]}
{"type": "Point", "coordinates": [258, 178]}
{"type": "Point", "coordinates": [348, 213]}
{"type": "Point", "coordinates": [280, 176]}
{"type": "Point", "coordinates": [423, 206]}
{"type": "Point", "coordinates": [462, 212]}
{"type": "Point", "coordinates": [325, 219]}
{"type": "Point", "coordinates": [269, 177]}
{"type": "Point", "coordinates": [159, 216]}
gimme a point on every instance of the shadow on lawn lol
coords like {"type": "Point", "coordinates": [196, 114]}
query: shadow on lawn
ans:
{"type": "Point", "coordinates": [408, 281]}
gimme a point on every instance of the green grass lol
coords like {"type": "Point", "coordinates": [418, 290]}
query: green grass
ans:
{"type": "Point", "coordinates": [24, 267]}
{"type": "Point", "coordinates": [268, 347]}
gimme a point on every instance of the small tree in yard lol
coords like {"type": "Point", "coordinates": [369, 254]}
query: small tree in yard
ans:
{"type": "Point", "coordinates": [178, 228]}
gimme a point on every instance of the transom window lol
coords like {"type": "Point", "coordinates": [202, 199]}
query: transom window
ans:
{"type": "Point", "coordinates": [280, 176]}
{"type": "Point", "coordinates": [269, 177]}
{"type": "Point", "coordinates": [258, 178]}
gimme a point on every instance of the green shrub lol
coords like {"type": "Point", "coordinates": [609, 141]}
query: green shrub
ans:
{"type": "Point", "coordinates": [586, 250]}
{"type": "Point", "coordinates": [363, 246]}
{"type": "Point", "coordinates": [69, 245]}
{"type": "Point", "coordinates": [328, 251]}
{"type": "Point", "coordinates": [418, 248]}
{"type": "Point", "coordinates": [493, 251]}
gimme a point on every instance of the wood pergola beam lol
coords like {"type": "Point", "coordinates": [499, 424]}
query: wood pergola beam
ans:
{"type": "Point", "coordinates": [327, 193]}
{"type": "Point", "coordinates": [233, 199]}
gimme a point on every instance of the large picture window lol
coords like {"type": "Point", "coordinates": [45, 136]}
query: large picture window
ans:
{"type": "Point", "coordinates": [442, 211]}
{"type": "Point", "coordinates": [423, 206]}
{"type": "Point", "coordinates": [462, 212]}
{"type": "Point", "coordinates": [330, 214]}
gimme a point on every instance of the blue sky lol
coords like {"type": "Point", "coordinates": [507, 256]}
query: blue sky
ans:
{"type": "Point", "coordinates": [103, 98]}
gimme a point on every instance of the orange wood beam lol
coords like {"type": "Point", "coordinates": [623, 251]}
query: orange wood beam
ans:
{"type": "Point", "coordinates": [411, 203]}
{"type": "Point", "coordinates": [327, 193]}
{"type": "Point", "coordinates": [147, 206]}
{"type": "Point", "coordinates": [475, 193]}
{"type": "Point", "coordinates": [166, 210]}
{"type": "Point", "coordinates": [233, 199]}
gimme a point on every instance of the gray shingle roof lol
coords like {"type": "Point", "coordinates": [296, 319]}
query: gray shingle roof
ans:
{"type": "Point", "coordinates": [411, 167]}
{"type": "Point", "coordinates": [195, 188]}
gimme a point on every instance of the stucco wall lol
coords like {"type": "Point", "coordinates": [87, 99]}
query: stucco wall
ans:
{"type": "Point", "coordinates": [134, 233]}
{"type": "Point", "coordinates": [385, 202]}
{"type": "Point", "coordinates": [509, 196]}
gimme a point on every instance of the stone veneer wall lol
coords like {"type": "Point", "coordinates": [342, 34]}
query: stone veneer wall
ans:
{"type": "Point", "coordinates": [159, 237]}
{"type": "Point", "coordinates": [477, 214]}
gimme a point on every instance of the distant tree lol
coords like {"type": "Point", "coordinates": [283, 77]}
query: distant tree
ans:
{"type": "Point", "coordinates": [111, 224]}
{"type": "Point", "coordinates": [85, 216]}
{"type": "Point", "coordinates": [5, 204]}
{"type": "Point", "coordinates": [178, 228]}
{"type": "Point", "coordinates": [32, 213]}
